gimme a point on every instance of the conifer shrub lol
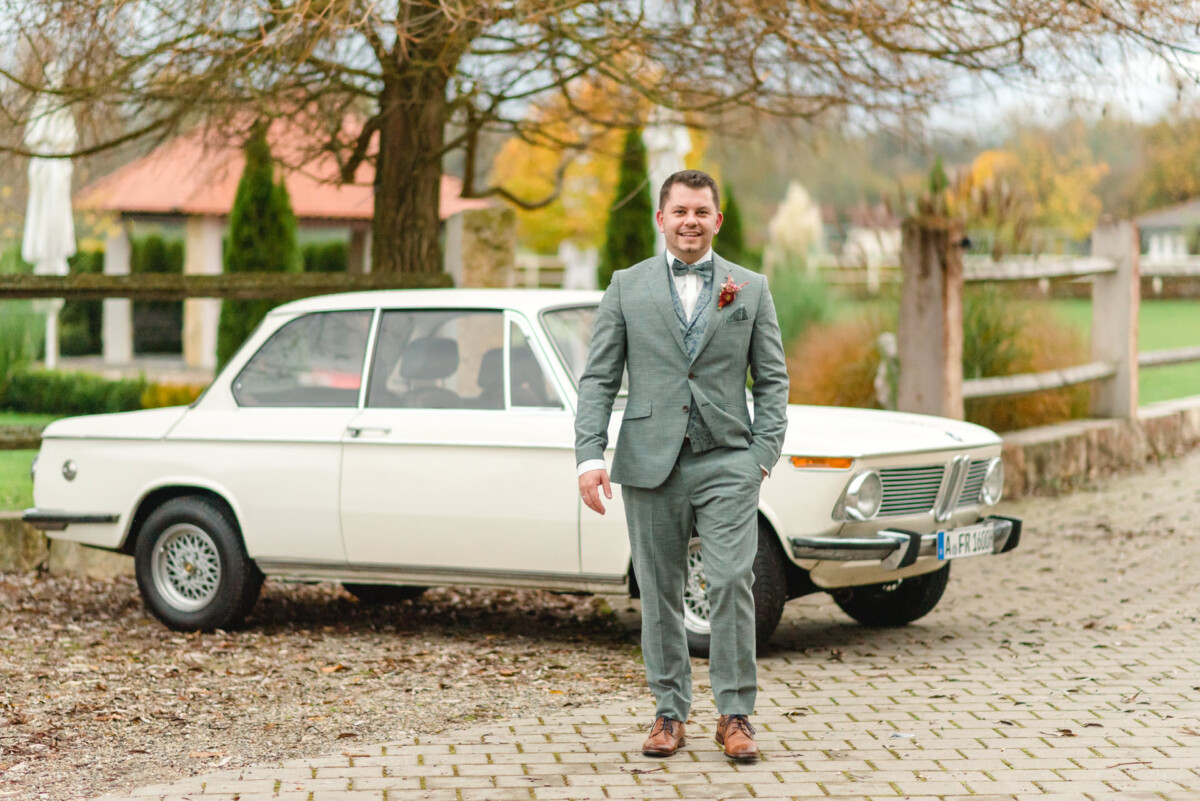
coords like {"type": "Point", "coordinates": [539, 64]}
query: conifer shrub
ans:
{"type": "Point", "coordinates": [262, 239]}
{"type": "Point", "coordinates": [630, 235]}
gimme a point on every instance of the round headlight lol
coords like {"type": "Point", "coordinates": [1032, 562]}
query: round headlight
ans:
{"type": "Point", "coordinates": [993, 482]}
{"type": "Point", "coordinates": [864, 496]}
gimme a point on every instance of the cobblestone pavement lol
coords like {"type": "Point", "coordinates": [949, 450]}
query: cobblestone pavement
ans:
{"type": "Point", "coordinates": [1069, 668]}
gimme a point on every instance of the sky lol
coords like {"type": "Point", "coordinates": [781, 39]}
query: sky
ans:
{"type": "Point", "coordinates": [1141, 87]}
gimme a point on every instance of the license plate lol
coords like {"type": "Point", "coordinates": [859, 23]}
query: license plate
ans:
{"type": "Point", "coordinates": [966, 541]}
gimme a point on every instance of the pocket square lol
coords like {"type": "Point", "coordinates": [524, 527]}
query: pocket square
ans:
{"type": "Point", "coordinates": [739, 314]}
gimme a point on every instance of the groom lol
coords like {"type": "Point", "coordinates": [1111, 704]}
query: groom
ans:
{"type": "Point", "coordinates": [687, 327]}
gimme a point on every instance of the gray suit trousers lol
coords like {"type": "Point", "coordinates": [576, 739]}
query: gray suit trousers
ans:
{"type": "Point", "coordinates": [715, 494]}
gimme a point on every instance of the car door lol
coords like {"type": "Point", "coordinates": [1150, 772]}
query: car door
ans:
{"type": "Point", "coordinates": [462, 458]}
{"type": "Point", "coordinates": [276, 451]}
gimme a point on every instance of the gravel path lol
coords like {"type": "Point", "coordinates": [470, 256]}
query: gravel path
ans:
{"type": "Point", "coordinates": [96, 696]}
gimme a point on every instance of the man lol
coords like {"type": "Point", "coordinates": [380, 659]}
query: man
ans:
{"type": "Point", "coordinates": [687, 327]}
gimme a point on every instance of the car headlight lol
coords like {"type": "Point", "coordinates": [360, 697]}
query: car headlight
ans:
{"type": "Point", "coordinates": [864, 495]}
{"type": "Point", "coordinates": [993, 482]}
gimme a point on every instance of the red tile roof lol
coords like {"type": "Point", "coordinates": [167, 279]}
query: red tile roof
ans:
{"type": "Point", "coordinates": [196, 174]}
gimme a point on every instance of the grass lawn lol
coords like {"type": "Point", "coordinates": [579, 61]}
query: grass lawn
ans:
{"type": "Point", "coordinates": [16, 489]}
{"type": "Point", "coordinates": [1162, 324]}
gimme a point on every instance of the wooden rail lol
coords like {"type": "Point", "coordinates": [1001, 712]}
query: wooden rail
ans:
{"type": "Point", "coordinates": [1025, 383]}
{"type": "Point", "coordinates": [243, 286]}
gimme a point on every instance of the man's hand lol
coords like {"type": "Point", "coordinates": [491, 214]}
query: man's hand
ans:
{"type": "Point", "coordinates": [589, 488]}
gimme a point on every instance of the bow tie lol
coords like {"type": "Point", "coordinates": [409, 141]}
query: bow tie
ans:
{"type": "Point", "coordinates": [703, 269]}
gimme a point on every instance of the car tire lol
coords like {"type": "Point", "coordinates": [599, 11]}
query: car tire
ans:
{"type": "Point", "coordinates": [383, 594]}
{"type": "Point", "coordinates": [896, 603]}
{"type": "Point", "coordinates": [769, 589]}
{"type": "Point", "coordinates": [192, 569]}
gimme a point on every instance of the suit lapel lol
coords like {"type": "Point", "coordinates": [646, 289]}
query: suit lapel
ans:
{"type": "Point", "coordinates": [659, 278]}
{"type": "Point", "coordinates": [721, 269]}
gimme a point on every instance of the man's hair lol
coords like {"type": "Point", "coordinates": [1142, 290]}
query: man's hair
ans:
{"type": "Point", "coordinates": [694, 179]}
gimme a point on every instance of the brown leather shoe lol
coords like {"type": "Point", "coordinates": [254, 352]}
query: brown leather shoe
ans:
{"type": "Point", "coordinates": [735, 733]}
{"type": "Point", "coordinates": [666, 737]}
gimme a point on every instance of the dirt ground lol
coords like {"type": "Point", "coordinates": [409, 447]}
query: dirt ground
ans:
{"type": "Point", "coordinates": [96, 696]}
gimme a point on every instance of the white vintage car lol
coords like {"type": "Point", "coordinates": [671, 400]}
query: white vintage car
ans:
{"type": "Point", "coordinates": [395, 440]}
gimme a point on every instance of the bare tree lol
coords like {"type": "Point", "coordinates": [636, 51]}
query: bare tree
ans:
{"type": "Point", "coordinates": [383, 81]}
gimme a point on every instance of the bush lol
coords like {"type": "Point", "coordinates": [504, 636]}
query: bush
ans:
{"type": "Point", "coordinates": [326, 257]}
{"type": "Point", "coordinates": [157, 324]}
{"type": "Point", "coordinates": [836, 364]}
{"type": "Point", "coordinates": [80, 322]}
{"type": "Point", "coordinates": [801, 300]}
{"type": "Point", "coordinates": [158, 395]}
{"type": "Point", "coordinates": [54, 392]}
{"type": "Point", "coordinates": [22, 330]}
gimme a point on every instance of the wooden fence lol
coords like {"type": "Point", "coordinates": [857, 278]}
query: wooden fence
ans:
{"type": "Point", "coordinates": [930, 337]}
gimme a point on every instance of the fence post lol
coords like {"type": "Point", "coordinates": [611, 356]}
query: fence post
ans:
{"type": "Point", "coordinates": [117, 313]}
{"type": "Point", "coordinates": [1116, 298]}
{"type": "Point", "coordinates": [931, 317]}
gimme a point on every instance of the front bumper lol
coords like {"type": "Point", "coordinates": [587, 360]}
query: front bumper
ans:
{"type": "Point", "coordinates": [896, 548]}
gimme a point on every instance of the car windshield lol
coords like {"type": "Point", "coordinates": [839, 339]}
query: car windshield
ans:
{"type": "Point", "coordinates": [570, 331]}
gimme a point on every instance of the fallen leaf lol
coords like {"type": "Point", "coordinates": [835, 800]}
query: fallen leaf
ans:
{"type": "Point", "coordinates": [1062, 733]}
{"type": "Point", "coordinates": [1008, 723]}
{"type": "Point", "coordinates": [1131, 698]}
{"type": "Point", "coordinates": [346, 735]}
{"type": "Point", "coordinates": [333, 668]}
{"type": "Point", "coordinates": [206, 754]}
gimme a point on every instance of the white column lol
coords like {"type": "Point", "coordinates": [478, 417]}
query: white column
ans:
{"type": "Point", "coordinates": [117, 315]}
{"type": "Point", "coordinates": [368, 243]}
{"type": "Point", "coordinates": [1116, 297]}
{"type": "Point", "coordinates": [202, 316]}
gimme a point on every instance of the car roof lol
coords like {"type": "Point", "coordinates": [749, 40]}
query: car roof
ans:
{"type": "Point", "coordinates": [529, 301]}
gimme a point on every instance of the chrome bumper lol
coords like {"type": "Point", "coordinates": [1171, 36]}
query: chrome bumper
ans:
{"type": "Point", "coordinates": [52, 520]}
{"type": "Point", "coordinates": [896, 548]}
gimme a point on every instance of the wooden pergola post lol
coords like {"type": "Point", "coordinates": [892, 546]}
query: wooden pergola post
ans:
{"type": "Point", "coordinates": [930, 336]}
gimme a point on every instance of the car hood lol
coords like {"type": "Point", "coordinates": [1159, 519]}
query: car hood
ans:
{"type": "Point", "coordinates": [144, 424]}
{"type": "Point", "coordinates": [835, 431]}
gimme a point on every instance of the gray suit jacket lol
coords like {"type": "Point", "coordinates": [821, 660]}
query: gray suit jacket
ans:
{"type": "Point", "coordinates": [636, 326]}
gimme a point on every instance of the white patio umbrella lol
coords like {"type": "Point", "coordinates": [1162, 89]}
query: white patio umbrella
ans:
{"type": "Point", "coordinates": [49, 227]}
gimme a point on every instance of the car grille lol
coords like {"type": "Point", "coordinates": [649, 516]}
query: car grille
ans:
{"type": "Point", "coordinates": [910, 490]}
{"type": "Point", "coordinates": [976, 473]}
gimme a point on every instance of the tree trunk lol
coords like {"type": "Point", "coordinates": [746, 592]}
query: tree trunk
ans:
{"type": "Point", "coordinates": [408, 173]}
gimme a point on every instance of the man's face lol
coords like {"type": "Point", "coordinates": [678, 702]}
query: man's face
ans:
{"type": "Point", "coordinates": [688, 221]}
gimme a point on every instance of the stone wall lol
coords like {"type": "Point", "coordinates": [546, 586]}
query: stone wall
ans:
{"type": "Point", "coordinates": [24, 548]}
{"type": "Point", "coordinates": [1037, 461]}
{"type": "Point", "coordinates": [1059, 458]}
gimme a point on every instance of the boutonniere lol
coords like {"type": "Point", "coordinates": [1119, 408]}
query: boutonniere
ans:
{"type": "Point", "coordinates": [729, 292]}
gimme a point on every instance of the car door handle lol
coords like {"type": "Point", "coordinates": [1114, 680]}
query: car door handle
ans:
{"type": "Point", "coordinates": [359, 431]}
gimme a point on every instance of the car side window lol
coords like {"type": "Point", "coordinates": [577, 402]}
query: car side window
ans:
{"type": "Point", "coordinates": [529, 384]}
{"type": "Point", "coordinates": [438, 359]}
{"type": "Point", "coordinates": [314, 360]}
